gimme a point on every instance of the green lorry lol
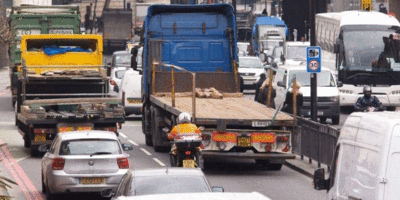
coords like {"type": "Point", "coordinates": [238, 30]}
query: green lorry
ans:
{"type": "Point", "coordinates": [31, 19]}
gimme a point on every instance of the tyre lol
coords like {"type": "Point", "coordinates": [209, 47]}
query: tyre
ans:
{"type": "Point", "coordinates": [322, 119]}
{"type": "Point", "coordinates": [241, 84]}
{"type": "Point", "coordinates": [43, 185]}
{"type": "Point", "coordinates": [149, 142]}
{"type": "Point", "coordinates": [34, 152]}
{"type": "Point", "coordinates": [13, 103]}
{"type": "Point", "coordinates": [335, 120]}
{"type": "Point", "coordinates": [154, 137]}
{"type": "Point", "coordinates": [27, 141]}
{"type": "Point", "coordinates": [274, 167]}
{"type": "Point", "coordinates": [172, 160]}
{"type": "Point", "coordinates": [49, 195]}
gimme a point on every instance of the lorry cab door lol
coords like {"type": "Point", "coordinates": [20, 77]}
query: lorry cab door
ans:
{"type": "Point", "coordinates": [391, 181]}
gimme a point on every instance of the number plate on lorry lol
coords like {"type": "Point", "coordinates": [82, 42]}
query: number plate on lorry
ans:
{"type": "Point", "coordinates": [244, 141]}
{"type": "Point", "coordinates": [188, 163]}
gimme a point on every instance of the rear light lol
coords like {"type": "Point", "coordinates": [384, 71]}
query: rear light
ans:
{"type": "Point", "coordinates": [283, 138]}
{"type": "Point", "coordinates": [188, 153]}
{"type": "Point", "coordinates": [268, 148]}
{"type": "Point", "coordinates": [123, 163]}
{"type": "Point", "coordinates": [58, 164]}
{"type": "Point", "coordinates": [112, 82]}
{"type": "Point", "coordinates": [111, 129]}
{"type": "Point", "coordinates": [42, 130]}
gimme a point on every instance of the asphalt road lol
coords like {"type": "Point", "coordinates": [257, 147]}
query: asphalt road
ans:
{"type": "Point", "coordinates": [233, 175]}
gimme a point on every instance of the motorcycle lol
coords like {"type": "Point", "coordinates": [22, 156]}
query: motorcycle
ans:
{"type": "Point", "coordinates": [187, 151]}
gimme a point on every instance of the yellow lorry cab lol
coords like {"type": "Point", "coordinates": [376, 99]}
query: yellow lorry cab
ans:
{"type": "Point", "coordinates": [47, 52]}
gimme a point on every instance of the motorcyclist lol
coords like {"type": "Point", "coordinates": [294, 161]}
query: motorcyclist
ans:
{"type": "Point", "coordinates": [368, 101]}
{"type": "Point", "coordinates": [184, 127]}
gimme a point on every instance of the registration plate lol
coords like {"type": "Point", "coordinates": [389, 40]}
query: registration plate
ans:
{"type": "Point", "coordinates": [248, 82]}
{"type": "Point", "coordinates": [244, 141]}
{"type": "Point", "coordinates": [188, 163]}
{"type": "Point", "coordinates": [135, 101]}
{"type": "Point", "coordinates": [320, 113]}
{"type": "Point", "coordinates": [40, 137]}
{"type": "Point", "coordinates": [84, 128]}
{"type": "Point", "coordinates": [61, 31]}
{"type": "Point", "coordinates": [92, 180]}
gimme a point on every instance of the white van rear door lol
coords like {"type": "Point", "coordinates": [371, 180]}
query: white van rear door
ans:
{"type": "Point", "coordinates": [392, 179]}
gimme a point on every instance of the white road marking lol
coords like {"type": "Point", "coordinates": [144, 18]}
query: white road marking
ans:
{"type": "Point", "coordinates": [18, 160]}
{"type": "Point", "coordinates": [123, 135]}
{"type": "Point", "coordinates": [146, 152]}
{"type": "Point", "coordinates": [134, 143]}
{"type": "Point", "coordinates": [159, 162]}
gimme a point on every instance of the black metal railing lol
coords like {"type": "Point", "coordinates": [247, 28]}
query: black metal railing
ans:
{"type": "Point", "coordinates": [315, 141]}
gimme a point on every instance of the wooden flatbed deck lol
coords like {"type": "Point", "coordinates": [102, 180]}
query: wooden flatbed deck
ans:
{"type": "Point", "coordinates": [236, 108]}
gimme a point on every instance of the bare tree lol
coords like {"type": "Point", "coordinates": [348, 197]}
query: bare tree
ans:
{"type": "Point", "coordinates": [5, 32]}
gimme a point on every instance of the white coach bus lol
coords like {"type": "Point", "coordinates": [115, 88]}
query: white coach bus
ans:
{"type": "Point", "coordinates": [357, 38]}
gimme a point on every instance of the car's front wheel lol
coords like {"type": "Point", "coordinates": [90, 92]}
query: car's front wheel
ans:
{"type": "Point", "coordinates": [43, 185]}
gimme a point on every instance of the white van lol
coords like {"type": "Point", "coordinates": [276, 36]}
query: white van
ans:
{"type": "Point", "coordinates": [327, 91]}
{"type": "Point", "coordinates": [367, 159]}
{"type": "Point", "coordinates": [130, 92]}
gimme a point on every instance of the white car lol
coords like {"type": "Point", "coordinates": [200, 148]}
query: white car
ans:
{"type": "Point", "coordinates": [83, 161]}
{"type": "Point", "coordinates": [327, 91]}
{"type": "Point", "coordinates": [117, 73]}
{"type": "Point", "coordinates": [130, 92]}
{"type": "Point", "coordinates": [250, 69]}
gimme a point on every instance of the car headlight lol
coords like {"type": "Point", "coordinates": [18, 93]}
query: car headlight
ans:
{"type": "Point", "coordinates": [346, 91]}
{"type": "Point", "coordinates": [396, 92]}
{"type": "Point", "coordinates": [334, 99]}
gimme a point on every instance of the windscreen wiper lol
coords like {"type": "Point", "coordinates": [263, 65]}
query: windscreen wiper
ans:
{"type": "Point", "coordinates": [100, 153]}
{"type": "Point", "coordinates": [359, 74]}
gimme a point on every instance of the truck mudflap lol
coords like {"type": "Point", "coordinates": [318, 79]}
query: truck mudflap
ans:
{"type": "Point", "coordinates": [241, 155]}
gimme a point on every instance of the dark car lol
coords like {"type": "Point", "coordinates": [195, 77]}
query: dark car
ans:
{"type": "Point", "coordinates": [162, 181]}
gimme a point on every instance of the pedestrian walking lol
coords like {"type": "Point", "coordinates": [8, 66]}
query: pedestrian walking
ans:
{"type": "Point", "coordinates": [263, 94]}
{"type": "Point", "coordinates": [288, 104]}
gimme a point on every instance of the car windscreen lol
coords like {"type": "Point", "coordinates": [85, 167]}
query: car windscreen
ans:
{"type": "Point", "coordinates": [120, 74]}
{"type": "Point", "coordinates": [123, 59]}
{"type": "Point", "coordinates": [168, 184]}
{"type": "Point", "coordinates": [248, 62]}
{"type": "Point", "coordinates": [324, 78]}
{"type": "Point", "coordinates": [89, 147]}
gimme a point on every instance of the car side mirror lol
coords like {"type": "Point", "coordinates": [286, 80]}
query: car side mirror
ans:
{"type": "Point", "coordinates": [319, 179]}
{"type": "Point", "coordinates": [116, 88]}
{"type": "Point", "coordinates": [127, 147]}
{"type": "Point", "coordinates": [217, 189]}
{"type": "Point", "coordinates": [281, 84]}
{"type": "Point", "coordinates": [44, 148]}
{"type": "Point", "coordinates": [340, 84]}
{"type": "Point", "coordinates": [108, 192]}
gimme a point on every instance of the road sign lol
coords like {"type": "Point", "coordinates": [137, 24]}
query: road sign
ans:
{"type": "Point", "coordinates": [313, 59]}
{"type": "Point", "coordinates": [366, 5]}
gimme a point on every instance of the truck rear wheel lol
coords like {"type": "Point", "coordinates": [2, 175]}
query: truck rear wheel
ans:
{"type": "Point", "coordinates": [335, 120]}
{"type": "Point", "coordinates": [155, 131]}
{"type": "Point", "coordinates": [27, 141]}
{"type": "Point", "coordinates": [149, 142]}
{"type": "Point", "coordinates": [274, 167]}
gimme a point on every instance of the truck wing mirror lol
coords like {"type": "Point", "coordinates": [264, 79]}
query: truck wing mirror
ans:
{"type": "Point", "coordinates": [340, 84]}
{"type": "Point", "coordinates": [319, 179]}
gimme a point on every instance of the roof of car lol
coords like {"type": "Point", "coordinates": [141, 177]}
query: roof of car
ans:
{"type": "Point", "coordinates": [76, 135]}
{"type": "Point", "coordinates": [121, 52]}
{"type": "Point", "coordinates": [201, 196]}
{"type": "Point", "coordinates": [298, 43]}
{"type": "Point", "coordinates": [301, 67]}
{"type": "Point", "coordinates": [174, 171]}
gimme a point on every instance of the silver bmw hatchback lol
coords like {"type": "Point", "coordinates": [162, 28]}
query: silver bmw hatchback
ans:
{"type": "Point", "coordinates": [83, 161]}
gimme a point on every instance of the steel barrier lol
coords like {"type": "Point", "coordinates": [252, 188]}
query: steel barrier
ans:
{"type": "Point", "coordinates": [314, 140]}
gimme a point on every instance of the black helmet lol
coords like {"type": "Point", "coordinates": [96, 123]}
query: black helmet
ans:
{"type": "Point", "coordinates": [367, 91]}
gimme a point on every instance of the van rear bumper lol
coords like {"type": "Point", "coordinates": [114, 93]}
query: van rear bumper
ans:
{"type": "Point", "coordinates": [272, 156]}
